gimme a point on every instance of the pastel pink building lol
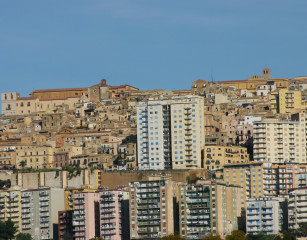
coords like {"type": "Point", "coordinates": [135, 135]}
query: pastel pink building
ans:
{"type": "Point", "coordinates": [99, 214]}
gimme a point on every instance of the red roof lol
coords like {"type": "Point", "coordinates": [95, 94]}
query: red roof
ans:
{"type": "Point", "coordinates": [60, 90]}
{"type": "Point", "coordinates": [229, 81]}
{"type": "Point", "coordinates": [121, 86]}
{"type": "Point", "coordinates": [26, 98]}
{"type": "Point", "coordinates": [64, 98]}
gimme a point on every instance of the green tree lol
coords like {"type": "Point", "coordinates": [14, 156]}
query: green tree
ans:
{"type": "Point", "coordinates": [173, 237]}
{"type": "Point", "coordinates": [302, 229]}
{"type": "Point", "coordinates": [23, 164]}
{"type": "Point", "coordinates": [277, 237]}
{"type": "Point", "coordinates": [7, 230]}
{"type": "Point", "coordinates": [211, 237]}
{"type": "Point", "coordinates": [236, 235]}
{"type": "Point", "coordinates": [24, 236]}
{"type": "Point", "coordinates": [289, 236]}
{"type": "Point", "coordinates": [67, 236]}
{"type": "Point", "coordinates": [260, 237]}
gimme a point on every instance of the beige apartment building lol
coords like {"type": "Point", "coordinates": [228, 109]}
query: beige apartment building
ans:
{"type": "Point", "coordinates": [279, 141]}
{"type": "Point", "coordinates": [10, 206]}
{"type": "Point", "coordinates": [259, 179]}
{"type": "Point", "coordinates": [217, 156]}
{"type": "Point", "coordinates": [249, 176]}
{"type": "Point", "coordinates": [285, 101]}
{"type": "Point", "coordinates": [208, 207]}
{"type": "Point", "coordinates": [151, 209]}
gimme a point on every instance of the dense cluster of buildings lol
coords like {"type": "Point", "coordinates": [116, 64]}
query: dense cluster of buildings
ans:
{"type": "Point", "coordinates": [119, 163]}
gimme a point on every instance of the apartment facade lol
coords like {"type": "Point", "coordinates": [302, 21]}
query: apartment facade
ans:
{"type": "Point", "coordinates": [99, 214]}
{"type": "Point", "coordinates": [249, 176]}
{"type": "Point", "coordinates": [64, 224]}
{"type": "Point", "coordinates": [151, 209]}
{"type": "Point", "coordinates": [279, 141]}
{"type": "Point", "coordinates": [40, 212]}
{"type": "Point", "coordinates": [10, 206]}
{"type": "Point", "coordinates": [170, 133]}
{"type": "Point", "coordinates": [208, 207]}
{"type": "Point", "coordinates": [265, 179]}
{"type": "Point", "coordinates": [297, 207]}
{"type": "Point", "coordinates": [285, 101]}
{"type": "Point", "coordinates": [217, 156]}
{"type": "Point", "coordinates": [265, 215]}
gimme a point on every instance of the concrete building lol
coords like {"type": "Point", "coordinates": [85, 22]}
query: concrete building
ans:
{"type": "Point", "coordinates": [114, 220]}
{"type": "Point", "coordinates": [65, 224]}
{"type": "Point", "coordinates": [249, 176]}
{"type": "Point", "coordinates": [218, 156]}
{"type": "Point", "coordinates": [99, 214]}
{"type": "Point", "coordinates": [40, 212]}
{"type": "Point", "coordinates": [265, 179]}
{"type": "Point", "coordinates": [10, 206]}
{"type": "Point", "coordinates": [266, 89]}
{"type": "Point", "coordinates": [35, 156]}
{"type": "Point", "coordinates": [265, 215]}
{"type": "Point", "coordinates": [86, 222]}
{"type": "Point", "coordinates": [285, 101]}
{"type": "Point", "coordinates": [279, 141]}
{"type": "Point", "coordinates": [208, 207]}
{"type": "Point", "coordinates": [8, 102]}
{"type": "Point", "coordinates": [170, 133]}
{"type": "Point", "coordinates": [151, 209]}
{"type": "Point", "coordinates": [297, 208]}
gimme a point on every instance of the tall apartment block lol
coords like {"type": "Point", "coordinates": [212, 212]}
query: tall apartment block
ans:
{"type": "Point", "coordinates": [170, 133]}
{"type": "Point", "coordinates": [249, 176]}
{"type": "Point", "coordinates": [279, 141]}
{"type": "Point", "coordinates": [10, 206]}
{"type": "Point", "coordinates": [266, 215]}
{"type": "Point", "coordinates": [113, 223]}
{"type": "Point", "coordinates": [65, 224]}
{"type": "Point", "coordinates": [40, 212]}
{"type": "Point", "coordinates": [99, 214]}
{"type": "Point", "coordinates": [208, 207]}
{"type": "Point", "coordinates": [151, 209]}
{"type": "Point", "coordinates": [297, 207]}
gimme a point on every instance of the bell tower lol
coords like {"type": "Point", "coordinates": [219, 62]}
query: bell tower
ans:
{"type": "Point", "coordinates": [266, 73]}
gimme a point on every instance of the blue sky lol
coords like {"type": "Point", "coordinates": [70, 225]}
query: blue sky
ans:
{"type": "Point", "coordinates": [148, 43]}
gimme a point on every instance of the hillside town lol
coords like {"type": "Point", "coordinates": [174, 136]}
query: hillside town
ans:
{"type": "Point", "coordinates": [120, 163]}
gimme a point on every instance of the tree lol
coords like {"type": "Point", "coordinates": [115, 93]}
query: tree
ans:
{"type": "Point", "coordinates": [67, 236]}
{"type": "Point", "coordinates": [173, 237]}
{"type": "Point", "coordinates": [24, 236]}
{"type": "Point", "coordinates": [302, 229]}
{"type": "Point", "coordinates": [260, 237]}
{"type": "Point", "coordinates": [211, 237]}
{"type": "Point", "coordinates": [289, 236]}
{"type": "Point", "coordinates": [23, 164]}
{"type": "Point", "coordinates": [7, 230]}
{"type": "Point", "coordinates": [236, 235]}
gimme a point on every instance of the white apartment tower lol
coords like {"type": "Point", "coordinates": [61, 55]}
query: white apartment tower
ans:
{"type": "Point", "coordinates": [170, 133]}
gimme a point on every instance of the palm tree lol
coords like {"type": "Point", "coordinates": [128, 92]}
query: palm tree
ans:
{"type": "Point", "coordinates": [23, 164]}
